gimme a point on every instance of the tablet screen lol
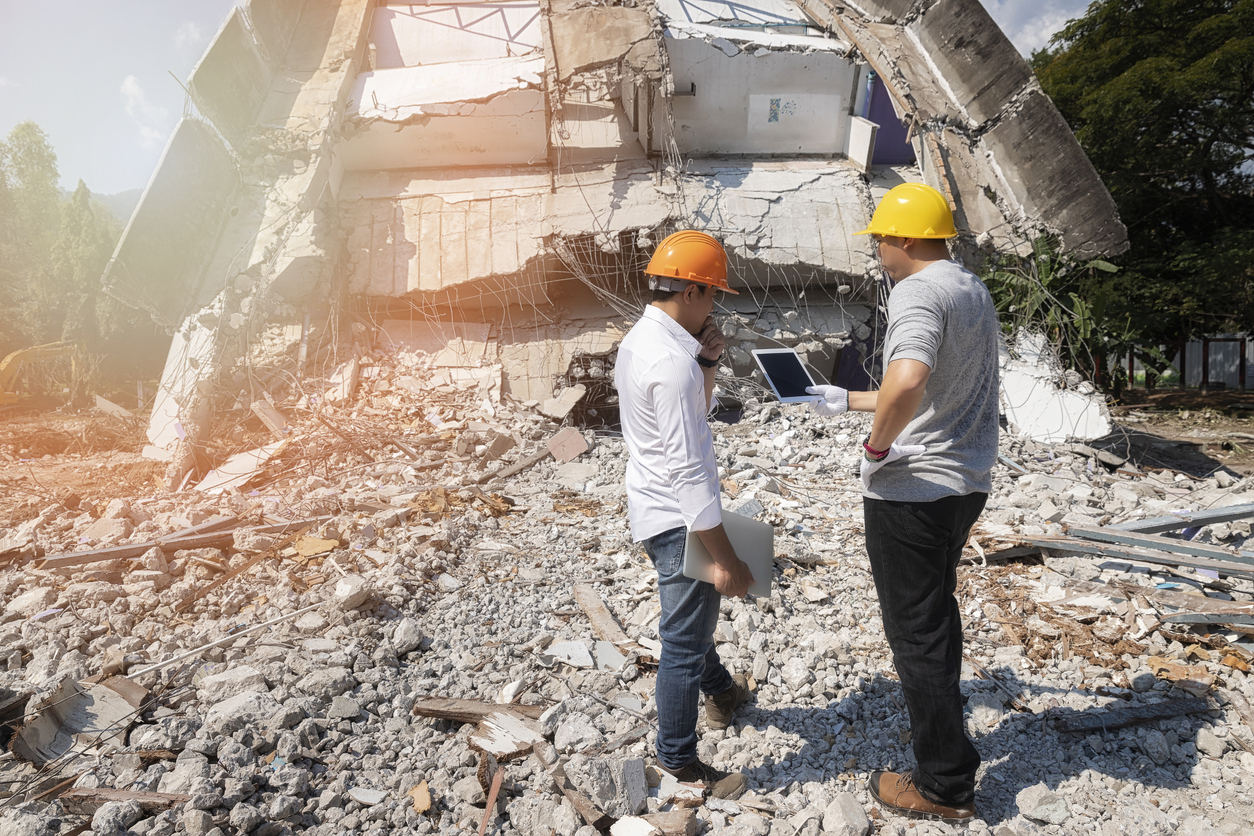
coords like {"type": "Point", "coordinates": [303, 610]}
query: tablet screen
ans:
{"type": "Point", "coordinates": [786, 372]}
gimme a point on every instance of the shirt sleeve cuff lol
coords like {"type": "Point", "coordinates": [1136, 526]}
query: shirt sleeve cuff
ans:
{"type": "Point", "coordinates": [914, 353]}
{"type": "Point", "coordinates": [711, 516]}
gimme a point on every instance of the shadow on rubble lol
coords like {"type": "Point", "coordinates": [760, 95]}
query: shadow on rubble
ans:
{"type": "Point", "coordinates": [869, 730]}
{"type": "Point", "coordinates": [1147, 450]}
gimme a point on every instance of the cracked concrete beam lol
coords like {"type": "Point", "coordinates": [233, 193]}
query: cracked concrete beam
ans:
{"type": "Point", "coordinates": [274, 21]}
{"type": "Point", "coordinates": [1053, 180]}
{"type": "Point", "coordinates": [231, 80]}
{"type": "Point", "coordinates": [953, 73]}
{"type": "Point", "coordinates": [889, 11]}
{"type": "Point", "coordinates": [965, 44]}
{"type": "Point", "coordinates": [158, 261]}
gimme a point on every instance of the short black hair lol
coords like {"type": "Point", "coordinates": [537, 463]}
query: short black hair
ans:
{"type": "Point", "coordinates": [667, 295]}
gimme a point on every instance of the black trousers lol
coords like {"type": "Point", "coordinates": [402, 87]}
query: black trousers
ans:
{"type": "Point", "coordinates": [914, 549]}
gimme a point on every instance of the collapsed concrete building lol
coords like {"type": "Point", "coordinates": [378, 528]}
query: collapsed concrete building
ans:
{"type": "Point", "coordinates": [482, 182]}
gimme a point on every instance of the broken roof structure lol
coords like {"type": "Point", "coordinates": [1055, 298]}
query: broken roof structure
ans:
{"type": "Point", "coordinates": [481, 181]}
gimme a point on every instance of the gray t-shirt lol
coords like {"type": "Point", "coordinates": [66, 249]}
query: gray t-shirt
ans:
{"type": "Point", "coordinates": [944, 316]}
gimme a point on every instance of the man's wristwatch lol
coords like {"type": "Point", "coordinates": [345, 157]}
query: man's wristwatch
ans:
{"type": "Point", "coordinates": [709, 364]}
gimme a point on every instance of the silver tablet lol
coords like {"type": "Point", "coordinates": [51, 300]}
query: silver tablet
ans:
{"type": "Point", "coordinates": [785, 373]}
{"type": "Point", "coordinates": [753, 542]}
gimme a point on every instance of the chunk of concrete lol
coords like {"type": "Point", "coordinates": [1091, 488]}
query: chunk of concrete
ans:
{"type": "Point", "coordinates": [342, 708]}
{"type": "Point", "coordinates": [327, 683]}
{"type": "Point", "coordinates": [407, 636]}
{"type": "Point", "coordinates": [32, 603]}
{"type": "Point", "coordinates": [351, 592]}
{"type": "Point", "coordinates": [567, 445]}
{"type": "Point", "coordinates": [250, 708]}
{"type": "Point", "coordinates": [845, 817]}
{"type": "Point", "coordinates": [230, 683]}
{"type": "Point", "coordinates": [576, 733]}
{"type": "Point", "coordinates": [106, 530]}
{"type": "Point", "coordinates": [559, 407]}
{"type": "Point", "coordinates": [1039, 803]}
{"type": "Point", "coordinates": [616, 786]}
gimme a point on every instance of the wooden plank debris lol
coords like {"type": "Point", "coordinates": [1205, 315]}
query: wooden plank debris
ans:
{"type": "Point", "coordinates": [1118, 718]}
{"type": "Point", "coordinates": [604, 625]}
{"type": "Point", "coordinates": [498, 776]}
{"type": "Point", "coordinates": [517, 467]}
{"type": "Point", "coordinates": [209, 539]}
{"type": "Point", "coordinates": [1175, 522]}
{"type": "Point", "coordinates": [85, 802]}
{"type": "Point", "coordinates": [470, 711]}
{"type": "Point", "coordinates": [505, 736]}
{"type": "Point", "coordinates": [1192, 678]}
{"type": "Point", "coordinates": [1129, 554]}
{"type": "Point", "coordinates": [1153, 541]}
{"type": "Point", "coordinates": [1193, 608]}
{"type": "Point", "coordinates": [1015, 702]}
{"type": "Point", "coordinates": [582, 804]}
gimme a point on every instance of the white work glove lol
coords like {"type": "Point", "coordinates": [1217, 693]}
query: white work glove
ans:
{"type": "Point", "coordinates": [895, 452]}
{"type": "Point", "coordinates": [831, 400]}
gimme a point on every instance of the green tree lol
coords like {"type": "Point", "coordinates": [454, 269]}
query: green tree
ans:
{"type": "Point", "coordinates": [31, 211]}
{"type": "Point", "coordinates": [1160, 94]}
{"type": "Point", "coordinates": [86, 240]}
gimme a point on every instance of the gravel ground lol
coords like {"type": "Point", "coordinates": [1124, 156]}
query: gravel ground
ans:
{"type": "Point", "coordinates": [445, 594]}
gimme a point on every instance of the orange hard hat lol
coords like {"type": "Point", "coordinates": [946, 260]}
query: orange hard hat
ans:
{"type": "Point", "coordinates": [691, 256]}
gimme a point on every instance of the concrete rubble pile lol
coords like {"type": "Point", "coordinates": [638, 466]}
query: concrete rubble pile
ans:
{"type": "Point", "coordinates": [438, 619]}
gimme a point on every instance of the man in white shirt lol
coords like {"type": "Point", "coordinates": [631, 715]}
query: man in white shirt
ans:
{"type": "Point", "coordinates": [665, 380]}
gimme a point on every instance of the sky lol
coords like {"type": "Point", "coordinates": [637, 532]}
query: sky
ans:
{"type": "Point", "coordinates": [102, 77]}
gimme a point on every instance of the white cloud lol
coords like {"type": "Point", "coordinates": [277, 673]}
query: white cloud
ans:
{"type": "Point", "coordinates": [6, 82]}
{"type": "Point", "coordinates": [188, 34]}
{"type": "Point", "coordinates": [150, 119]}
{"type": "Point", "coordinates": [1030, 25]}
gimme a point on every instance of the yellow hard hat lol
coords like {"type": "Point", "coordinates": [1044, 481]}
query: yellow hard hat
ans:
{"type": "Point", "coordinates": [692, 257]}
{"type": "Point", "coordinates": [912, 210]}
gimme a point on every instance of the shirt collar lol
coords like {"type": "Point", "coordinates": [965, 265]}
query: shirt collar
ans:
{"type": "Point", "coordinates": [686, 341]}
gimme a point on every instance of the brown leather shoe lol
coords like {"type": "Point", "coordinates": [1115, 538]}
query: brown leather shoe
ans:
{"type": "Point", "coordinates": [899, 794]}
{"type": "Point", "coordinates": [720, 707]}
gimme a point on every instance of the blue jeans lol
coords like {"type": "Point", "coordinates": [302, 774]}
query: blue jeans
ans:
{"type": "Point", "coordinates": [689, 662]}
{"type": "Point", "coordinates": [914, 549]}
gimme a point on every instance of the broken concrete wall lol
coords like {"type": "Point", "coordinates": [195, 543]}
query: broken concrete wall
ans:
{"type": "Point", "coordinates": [733, 101]}
{"type": "Point", "coordinates": [230, 82]}
{"type": "Point", "coordinates": [158, 261]}
{"type": "Point", "coordinates": [274, 23]}
{"type": "Point", "coordinates": [276, 252]}
{"type": "Point", "coordinates": [483, 112]}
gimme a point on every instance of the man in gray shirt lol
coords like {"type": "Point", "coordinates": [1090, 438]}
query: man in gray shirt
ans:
{"type": "Point", "coordinates": [926, 474]}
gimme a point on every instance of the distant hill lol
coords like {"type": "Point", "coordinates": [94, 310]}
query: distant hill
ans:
{"type": "Point", "coordinates": [122, 204]}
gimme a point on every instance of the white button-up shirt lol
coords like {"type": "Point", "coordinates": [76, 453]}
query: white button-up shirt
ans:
{"type": "Point", "coordinates": [672, 477]}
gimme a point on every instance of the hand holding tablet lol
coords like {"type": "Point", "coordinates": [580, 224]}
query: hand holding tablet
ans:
{"type": "Point", "coordinates": [785, 374]}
